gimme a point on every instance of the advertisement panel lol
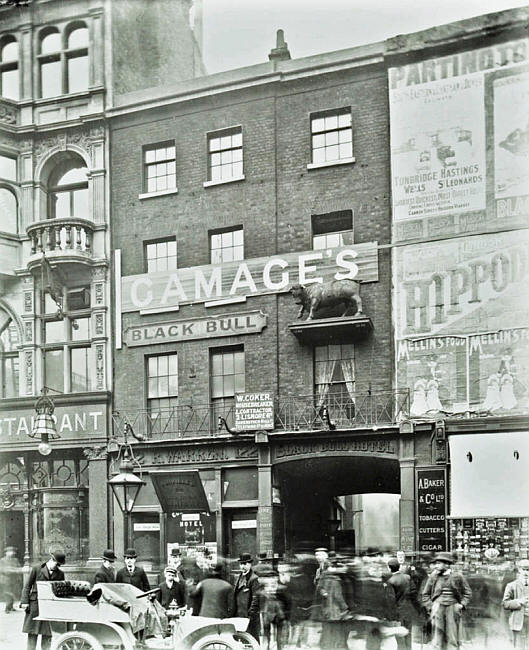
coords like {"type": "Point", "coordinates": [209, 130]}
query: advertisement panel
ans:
{"type": "Point", "coordinates": [431, 509]}
{"type": "Point", "coordinates": [457, 123]}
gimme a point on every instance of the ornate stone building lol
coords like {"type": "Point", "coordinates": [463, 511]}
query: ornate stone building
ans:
{"type": "Point", "coordinates": [62, 65]}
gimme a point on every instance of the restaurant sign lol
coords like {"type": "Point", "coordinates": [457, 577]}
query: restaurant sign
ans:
{"type": "Point", "coordinates": [250, 322]}
{"type": "Point", "coordinates": [72, 422]}
{"type": "Point", "coordinates": [254, 411]}
{"type": "Point", "coordinates": [431, 509]}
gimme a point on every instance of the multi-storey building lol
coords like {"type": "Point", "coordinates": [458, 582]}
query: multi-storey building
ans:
{"type": "Point", "coordinates": [61, 66]}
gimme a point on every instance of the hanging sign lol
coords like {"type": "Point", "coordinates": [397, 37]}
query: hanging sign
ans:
{"type": "Point", "coordinates": [180, 491]}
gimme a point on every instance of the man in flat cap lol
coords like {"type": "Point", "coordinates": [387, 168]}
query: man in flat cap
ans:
{"type": "Point", "coordinates": [170, 589]}
{"type": "Point", "coordinates": [41, 572]}
{"type": "Point", "coordinates": [132, 574]}
{"type": "Point", "coordinates": [516, 600]}
{"type": "Point", "coordinates": [246, 596]}
{"type": "Point", "coordinates": [105, 573]}
{"type": "Point", "coordinates": [445, 595]}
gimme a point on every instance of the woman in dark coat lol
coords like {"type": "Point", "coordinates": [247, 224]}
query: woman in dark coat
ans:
{"type": "Point", "coordinates": [41, 572]}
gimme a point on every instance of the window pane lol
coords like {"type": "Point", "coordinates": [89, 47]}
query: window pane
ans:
{"type": "Point", "coordinates": [152, 366]}
{"type": "Point", "coordinates": [161, 183]}
{"type": "Point", "coordinates": [318, 155]}
{"type": "Point", "coordinates": [344, 119]}
{"type": "Point", "coordinates": [171, 152]}
{"type": "Point", "coordinates": [227, 254]}
{"type": "Point", "coordinates": [225, 142]}
{"type": "Point", "coordinates": [331, 122]}
{"type": "Point", "coordinates": [78, 38]}
{"type": "Point", "coordinates": [10, 376]}
{"type": "Point", "coordinates": [216, 173]}
{"type": "Point", "coordinates": [239, 383]}
{"type": "Point", "coordinates": [332, 152]}
{"type": "Point", "coordinates": [163, 366]}
{"type": "Point", "coordinates": [74, 175]}
{"type": "Point", "coordinates": [51, 79]}
{"type": "Point", "coordinates": [151, 185]}
{"type": "Point", "coordinates": [161, 264]}
{"type": "Point", "coordinates": [9, 52]}
{"type": "Point", "coordinates": [54, 331]}
{"type": "Point", "coordinates": [236, 140]}
{"type": "Point", "coordinates": [80, 203]}
{"type": "Point", "coordinates": [80, 329]}
{"type": "Point", "coordinates": [239, 362]}
{"type": "Point", "coordinates": [171, 248]}
{"type": "Point", "coordinates": [80, 364]}
{"type": "Point", "coordinates": [62, 205]}
{"type": "Point", "coordinates": [173, 364]}
{"type": "Point", "coordinates": [214, 144]}
{"type": "Point", "coordinates": [318, 141]}
{"type": "Point", "coordinates": [237, 169]}
{"type": "Point", "coordinates": [163, 386]}
{"type": "Point", "coordinates": [237, 155]}
{"type": "Point", "coordinates": [149, 155]}
{"type": "Point", "coordinates": [346, 150]}
{"type": "Point", "coordinates": [216, 364]}
{"type": "Point", "coordinates": [77, 74]}
{"type": "Point", "coordinates": [318, 124]}
{"type": "Point", "coordinates": [215, 158]}
{"type": "Point", "coordinates": [8, 211]}
{"type": "Point", "coordinates": [173, 385]}
{"type": "Point", "coordinates": [216, 386]}
{"type": "Point", "coordinates": [54, 369]}
{"type": "Point", "coordinates": [237, 237]}
{"type": "Point", "coordinates": [216, 256]}
{"type": "Point", "coordinates": [331, 138]}
{"type": "Point", "coordinates": [8, 168]}
{"type": "Point", "coordinates": [50, 43]}
{"type": "Point", "coordinates": [10, 84]}
{"type": "Point", "coordinates": [345, 136]}
{"type": "Point", "coordinates": [225, 157]}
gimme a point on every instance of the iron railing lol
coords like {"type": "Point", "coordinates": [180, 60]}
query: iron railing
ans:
{"type": "Point", "coordinates": [292, 413]}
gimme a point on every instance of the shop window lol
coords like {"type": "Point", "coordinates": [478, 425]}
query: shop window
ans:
{"type": "Point", "coordinates": [239, 484]}
{"type": "Point", "coordinates": [332, 229]}
{"type": "Point", "coordinates": [13, 475]}
{"type": "Point", "coordinates": [9, 70]}
{"type": "Point", "coordinates": [8, 211]}
{"type": "Point", "coordinates": [226, 245]}
{"type": "Point", "coordinates": [334, 374]}
{"type": "Point", "coordinates": [63, 60]}
{"type": "Point", "coordinates": [9, 368]}
{"type": "Point", "coordinates": [225, 159]}
{"type": "Point", "coordinates": [159, 167]}
{"type": "Point", "coordinates": [226, 378]}
{"type": "Point", "coordinates": [332, 136]}
{"type": "Point", "coordinates": [160, 255]}
{"type": "Point", "coordinates": [66, 349]}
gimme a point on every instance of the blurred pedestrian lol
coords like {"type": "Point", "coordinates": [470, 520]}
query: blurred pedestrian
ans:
{"type": "Point", "coordinates": [132, 573]}
{"type": "Point", "coordinates": [106, 573]}
{"type": "Point", "coordinates": [274, 609]}
{"type": "Point", "coordinates": [214, 594]}
{"type": "Point", "coordinates": [47, 572]}
{"type": "Point", "coordinates": [333, 607]}
{"type": "Point", "coordinates": [10, 573]}
{"type": "Point", "coordinates": [445, 595]}
{"type": "Point", "coordinates": [516, 600]}
{"type": "Point", "coordinates": [402, 586]}
{"type": "Point", "coordinates": [246, 597]}
{"type": "Point", "coordinates": [195, 570]}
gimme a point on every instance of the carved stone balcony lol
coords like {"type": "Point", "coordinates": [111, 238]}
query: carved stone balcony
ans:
{"type": "Point", "coordinates": [64, 241]}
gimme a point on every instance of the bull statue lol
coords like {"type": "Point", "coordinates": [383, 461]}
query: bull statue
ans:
{"type": "Point", "coordinates": [327, 294]}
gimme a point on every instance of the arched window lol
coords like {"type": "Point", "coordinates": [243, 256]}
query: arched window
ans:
{"type": "Point", "coordinates": [68, 189]}
{"type": "Point", "coordinates": [9, 342]}
{"type": "Point", "coordinates": [9, 76]}
{"type": "Point", "coordinates": [8, 212]}
{"type": "Point", "coordinates": [64, 60]}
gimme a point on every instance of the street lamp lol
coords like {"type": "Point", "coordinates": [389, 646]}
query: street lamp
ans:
{"type": "Point", "coordinates": [44, 427]}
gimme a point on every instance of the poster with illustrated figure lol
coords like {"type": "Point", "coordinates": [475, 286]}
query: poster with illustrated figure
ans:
{"type": "Point", "coordinates": [511, 145]}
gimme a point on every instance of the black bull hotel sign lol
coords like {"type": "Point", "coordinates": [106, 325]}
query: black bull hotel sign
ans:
{"type": "Point", "coordinates": [234, 281]}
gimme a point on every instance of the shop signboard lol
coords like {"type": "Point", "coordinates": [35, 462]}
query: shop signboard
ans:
{"type": "Point", "coordinates": [180, 491]}
{"type": "Point", "coordinates": [254, 411]}
{"type": "Point", "coordinates": [235, 281]}
{"type": "Point", "coordinates": [250, 322]}
{"type": "Point", "coordinates": [431, 509]}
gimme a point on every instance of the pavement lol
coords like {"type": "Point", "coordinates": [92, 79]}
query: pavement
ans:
{"type": "Point", "coordinates": [12, 638]}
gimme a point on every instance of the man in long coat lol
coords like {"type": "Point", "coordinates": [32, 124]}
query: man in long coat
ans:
{"type": "Point", "coordinates": [41, 572]}
{"type": "Point", "coordinates": [516, 600]}
{"type": "Point", "coordinates": [132, 574]}
{"type": "Point", "coordinates": [246, 596]}
{"type": "Point", "coordinates": [214, 594]}
{"type": "Point", "coordinates": [105, 573]}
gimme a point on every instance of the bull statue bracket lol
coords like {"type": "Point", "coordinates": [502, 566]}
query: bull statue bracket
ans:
{"type": "Point", "coordinates": [314, 297]}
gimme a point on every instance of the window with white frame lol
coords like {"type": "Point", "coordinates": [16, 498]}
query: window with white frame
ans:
{"type": "Point", "coordinates": [225, 155]}
{"type": "Point", "coordinates": [159, 167]}
{"type": "Point", "coordinates": [226, 245]}
{"type": "Point", "coordinates": [332, 136]}
{"type": "Point", "coordinates": [68, 190]}
{"type": "Point", "coordinates": [226, 379]}
{"type": "Point", "coordinates": [63, 60]}
{"type": "Point", "coordinates": [66, 349]}
{"type": "Point", "coordinates": [9, 71]}
{"type": "Point", "coordinates": [162, 382]}
{"type": "Point", "coordinates": [9, 369]}
{"type": "Point", "coordinates": [332, 229]}
{"type": "Point", "coordinates": [334, 375]}
{"type": "Point", "coordinates": [160, 255]}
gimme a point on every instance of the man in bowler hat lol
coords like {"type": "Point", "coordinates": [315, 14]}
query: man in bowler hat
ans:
{"type": "Point", "coordinates": [246, 597]}
{"type": "Point", "coordinates": [105, 573]}
{"type": "Point", "coordinates": [41, 572]}
{"type": "Point", "coordinates": [131, 573]}
{"type": "Point", "coordinates": [445, 595]}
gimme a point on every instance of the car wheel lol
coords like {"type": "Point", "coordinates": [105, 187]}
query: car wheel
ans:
{"type": "Point", "coordinates": [246, 640]}
{"type": "Point", "coordinates": [76, 641]}
{"type": "Point", "coordinates": [216, 642]}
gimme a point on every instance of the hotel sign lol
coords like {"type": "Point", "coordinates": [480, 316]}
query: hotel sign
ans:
{"type": "Point", "coordinates": [251, 322]}
{"type": "Point", "coordinates": [165, 290]}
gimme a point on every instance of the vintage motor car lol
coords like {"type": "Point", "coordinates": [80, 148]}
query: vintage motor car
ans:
{"type": "Point", "coordinates": [120, 617]}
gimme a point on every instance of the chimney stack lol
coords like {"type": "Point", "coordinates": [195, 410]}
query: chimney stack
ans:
{"type": "Point", "coordinates": [280, 51]}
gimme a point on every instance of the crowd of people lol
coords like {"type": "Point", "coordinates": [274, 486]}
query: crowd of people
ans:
{"type": "Point", "coordinates": [318, 599]}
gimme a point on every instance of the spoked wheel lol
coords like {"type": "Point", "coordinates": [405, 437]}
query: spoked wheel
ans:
{"type": "Point", "coordinates": [77, 641]}
{"type": "Point", "coordinates": [246, 641]}
{"type": "Point", "coordinates": [215, 642]}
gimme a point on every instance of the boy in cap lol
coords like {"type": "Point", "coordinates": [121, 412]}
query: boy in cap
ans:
{"type": "Point", "coordinates": [132, 574]}
{"type": "Point", "coordinates": [41, 572]}
{"type": "Point", "coordinates": [445, 595]}
{"type": "Point", "coordinates": [105, 573]}
{"type": "Point", "coordinates": [170, 589]}
{"type": "Point", "coordinates": [516, 600]}
{"type": "Point", "coordinates": [246, 596]}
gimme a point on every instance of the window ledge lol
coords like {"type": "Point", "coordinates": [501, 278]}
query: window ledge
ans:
{"type": "Point", "coordinates": [227, 180]}
{"type": "Point", "coordinates": [150, 195]}
{"type": "Point", "coordinates": [331, 163]}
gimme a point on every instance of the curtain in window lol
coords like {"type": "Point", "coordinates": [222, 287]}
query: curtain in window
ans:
{"type": "Point", "coordinates": [349, 376]}
{"type": "Point", "coordinates": [326, 371]}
